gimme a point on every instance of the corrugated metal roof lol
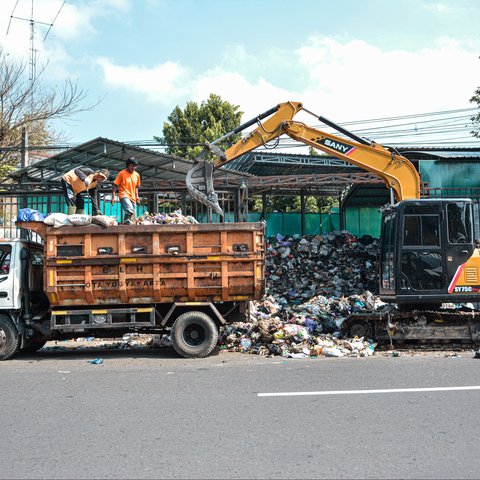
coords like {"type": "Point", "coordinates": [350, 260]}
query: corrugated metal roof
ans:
{"type": "Point", "coordinates": [435, 153]}
{"type": "Point", "coordinates": [105, 153]}
{"type": "Point", "coordinates": [159, 170]}
{"type": "Point", "coordinates": [270, 164]}
{"type": "Point", "coordinates": [362, 195]}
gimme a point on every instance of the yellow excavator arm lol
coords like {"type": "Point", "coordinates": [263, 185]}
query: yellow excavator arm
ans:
{"type": "Point", "coordinates": [395, 170]}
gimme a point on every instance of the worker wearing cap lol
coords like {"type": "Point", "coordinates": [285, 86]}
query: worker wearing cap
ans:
{"type": "Point", "coordinates": [78, 181]}
{"type": "Point", "coordinates": [127, 181]}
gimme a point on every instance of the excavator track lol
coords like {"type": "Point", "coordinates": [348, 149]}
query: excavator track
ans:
{"type": "Point", "coordinates": [435, 328]}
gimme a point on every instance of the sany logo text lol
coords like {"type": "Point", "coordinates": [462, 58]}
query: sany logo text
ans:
{"type": "Point", "coordinates": [337, 146]}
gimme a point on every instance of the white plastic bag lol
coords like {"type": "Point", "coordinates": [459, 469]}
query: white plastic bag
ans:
{"type": "Point", "coordinates": [80, 219]}
{"type": "Point", "coordinates": [57, 220]}
{"type": "Point", "coordinates": [104, 220]}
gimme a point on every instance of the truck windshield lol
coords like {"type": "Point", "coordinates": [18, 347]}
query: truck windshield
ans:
{"type": "Point", "coordinates": [5, 255]}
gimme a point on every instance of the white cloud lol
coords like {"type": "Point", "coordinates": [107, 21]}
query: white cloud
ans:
{"type": "Point", "coordinates": [437, 8]}
{"type": "Point", "coordinates": [161, 84]}
{"type": "Point", "coordinates": [345, 81]}
{"type": "Point", "coordinates": [72, 21]}
{"type": "Point", "coordinates": [252, 98]}
{"type": "Point", "coordinates": [358, 80]}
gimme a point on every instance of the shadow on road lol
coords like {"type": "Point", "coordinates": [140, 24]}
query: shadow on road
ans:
{"type": "Point", "coordinates": [96, 351]}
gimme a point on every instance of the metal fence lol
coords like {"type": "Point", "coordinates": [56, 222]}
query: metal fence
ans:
{"type": "Point", "coordinates": [233, 202]}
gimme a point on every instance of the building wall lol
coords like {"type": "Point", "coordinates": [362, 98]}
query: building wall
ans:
{"type": "Point", "coordinates": [458, 178]}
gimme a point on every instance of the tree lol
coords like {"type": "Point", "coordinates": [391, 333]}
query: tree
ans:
{"type": "Point", "coordinates": [31, 104]}
{"type": "Point", "coordinates": [476, 118]}
{"type": "Point", "coordinates": [292, 203]}
{"type": "Point", "coordinates": [187, 130]}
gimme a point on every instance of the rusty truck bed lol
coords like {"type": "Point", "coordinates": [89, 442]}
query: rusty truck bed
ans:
{"type": "Point", "coordinates": [145, 264]}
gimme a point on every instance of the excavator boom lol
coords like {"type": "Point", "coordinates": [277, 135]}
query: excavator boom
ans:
{"type": "Point", "coordinates": [395, 170]}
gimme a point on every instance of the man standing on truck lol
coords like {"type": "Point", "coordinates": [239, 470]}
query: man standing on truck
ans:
{"type": "Point", "coordinates": [79, 180]}
{"type": "Point", "coordinates": [127, 181]}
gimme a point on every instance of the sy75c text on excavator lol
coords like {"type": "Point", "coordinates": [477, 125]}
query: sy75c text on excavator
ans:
{"type": "Point", "coordinates": [428, 256]}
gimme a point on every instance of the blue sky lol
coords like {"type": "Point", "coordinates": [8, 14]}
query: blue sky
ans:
{"type": "Point", "coordinates": [344, 59]}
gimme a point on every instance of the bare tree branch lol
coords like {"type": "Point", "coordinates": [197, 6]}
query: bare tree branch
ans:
{"type": "Point", "coordinates": [32, 104]}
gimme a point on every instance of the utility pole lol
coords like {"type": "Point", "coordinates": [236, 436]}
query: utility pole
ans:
{"type": "Point", "coordinates": [32, 51]}
{"type": "Point", "coordinates": [23, 200]}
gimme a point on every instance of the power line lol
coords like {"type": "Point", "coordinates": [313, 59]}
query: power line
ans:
{"type": "Point", "coordinates": [447, 131]}
{"type": "Point", "coordinates": [413, 115]}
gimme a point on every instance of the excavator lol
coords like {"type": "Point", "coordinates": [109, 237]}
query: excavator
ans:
{"type": "Point", "coordinates": [428, 261]}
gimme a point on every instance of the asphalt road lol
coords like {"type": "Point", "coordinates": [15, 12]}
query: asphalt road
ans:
{"type": "Point", "coordinates": [150, 414]}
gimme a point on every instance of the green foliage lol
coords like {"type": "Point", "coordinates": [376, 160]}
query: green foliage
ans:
{"type": "Point", "coordinates": [313, 204]}
{"type": "Point", "coordinates": [476, 118]}
{"type": "Point", "coordinates": [255, 203]}
{"type": "Point", "coordinates": [188, 129]}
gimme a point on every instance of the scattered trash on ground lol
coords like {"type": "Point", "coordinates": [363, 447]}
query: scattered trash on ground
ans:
{"type": "Point", "coordinates": [96, 361]}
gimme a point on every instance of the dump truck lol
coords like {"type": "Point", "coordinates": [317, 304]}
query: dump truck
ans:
{"type": "Point", "coordinates": [186, 280]}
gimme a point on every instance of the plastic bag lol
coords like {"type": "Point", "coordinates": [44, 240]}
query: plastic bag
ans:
{"type": "Point", "coordinates": [104, 220]}
{"type": "Point", "coordinates": [57, 220]}
{"type": "Point", "coordinates": [332, 352]}
{"type": "Point", "coordinates": [80, 219]}
{"type": "Point", "coordinates": [30, 215]}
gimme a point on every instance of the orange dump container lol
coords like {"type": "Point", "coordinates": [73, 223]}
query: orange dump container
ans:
{"type": "Point", "coordinates": [145, 264]}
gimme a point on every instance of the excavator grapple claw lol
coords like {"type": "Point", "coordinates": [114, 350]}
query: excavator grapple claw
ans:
{"type": "Point", "coordinates": [199, 181]}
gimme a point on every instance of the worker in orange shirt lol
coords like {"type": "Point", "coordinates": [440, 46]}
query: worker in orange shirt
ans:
{"type": "Point", "coordinates": [127, 181]}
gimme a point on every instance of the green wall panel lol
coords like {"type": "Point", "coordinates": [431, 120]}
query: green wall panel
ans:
{"type": "Point", "coordinates": [460, 177]}
{"type": "Point", "coordinates": [363, 221]}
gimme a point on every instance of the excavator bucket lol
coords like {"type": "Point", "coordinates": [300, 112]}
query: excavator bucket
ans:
{"type": "Point", "coordinates": [199, 179]}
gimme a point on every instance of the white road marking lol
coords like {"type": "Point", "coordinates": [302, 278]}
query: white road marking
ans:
{"type": "Point", "coordinates": [360, 392]}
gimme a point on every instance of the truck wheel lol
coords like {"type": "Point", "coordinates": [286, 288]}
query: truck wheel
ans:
{"type": "Point", "coordinates": [9, 338]}
{"type": "Point", "coordinates": [194, 335]}
{"type": "Point", "coordinates": [357, 329]}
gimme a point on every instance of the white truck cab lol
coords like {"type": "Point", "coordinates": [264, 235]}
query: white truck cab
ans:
{"type": "Point", "coordinates": [21, 286]}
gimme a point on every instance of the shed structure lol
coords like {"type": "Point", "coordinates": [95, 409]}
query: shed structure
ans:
{"type": "Point", "coordinates": [453, 172]}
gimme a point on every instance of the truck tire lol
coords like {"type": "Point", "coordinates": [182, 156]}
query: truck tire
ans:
{"type": "Point", "coordinates": [9, 338]}
{"type": "Point", "coordinates": [194, 335]}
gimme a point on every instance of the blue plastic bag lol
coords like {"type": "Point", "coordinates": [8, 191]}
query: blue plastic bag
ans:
{"type": "Point", "coordinates": [30, 215]}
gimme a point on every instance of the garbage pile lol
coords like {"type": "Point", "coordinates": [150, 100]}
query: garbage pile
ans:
{"type": "Point", "coordinates": [313, 284]}
{"type": "Point", "coordinates": [60, 219]}
{"type": "Point", "coordinates": [164, 218]}
{"type": "Point", "coordinates": [334, 264]}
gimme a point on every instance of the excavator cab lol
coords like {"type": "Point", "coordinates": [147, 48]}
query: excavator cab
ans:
{"type": "Point", "coordinates": [425, 245]}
